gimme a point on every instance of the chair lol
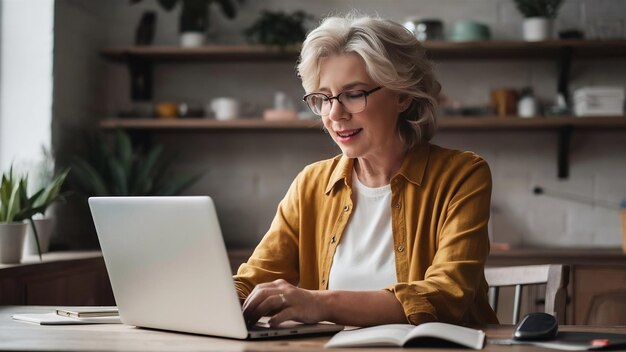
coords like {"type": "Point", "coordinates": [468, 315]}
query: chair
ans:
{"type": "Point", "coordinates": [555, 277]}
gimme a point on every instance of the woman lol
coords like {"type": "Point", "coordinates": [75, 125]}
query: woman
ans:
{"type": "Point", "coordinates": [394, 230]}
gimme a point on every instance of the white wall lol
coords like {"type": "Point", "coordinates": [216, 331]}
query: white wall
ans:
{"type": "Point", "coordinates": [248, 172]}
{"type": "Point", "coordinates": [25, 80]}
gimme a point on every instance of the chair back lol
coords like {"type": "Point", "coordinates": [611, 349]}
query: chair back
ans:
{"type": "Point", "coordinates": [554, 276]}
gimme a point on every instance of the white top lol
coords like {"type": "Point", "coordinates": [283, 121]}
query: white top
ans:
{"type": "Point", "coordinates": [364, 259]}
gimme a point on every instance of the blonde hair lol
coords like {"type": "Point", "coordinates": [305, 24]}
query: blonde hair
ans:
{"type": "Point", "coordinates": [393, 57]}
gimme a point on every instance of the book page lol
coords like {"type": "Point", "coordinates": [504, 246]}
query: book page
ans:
{"type": "Point", "coordinates": [383, 335]}
{"type": "Point", "coordinates": [447, 332]}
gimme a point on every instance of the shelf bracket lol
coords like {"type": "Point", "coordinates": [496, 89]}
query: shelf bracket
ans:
{"type": "Point", "coordinates": [565, 68]}
{"type": "Point", "coordinates": [565, 134]}
{"type": "Point", "coordinates": [141, 82]}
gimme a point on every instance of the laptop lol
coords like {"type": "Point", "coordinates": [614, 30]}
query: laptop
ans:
{"type": "Point", "coordinates": [169, 268]}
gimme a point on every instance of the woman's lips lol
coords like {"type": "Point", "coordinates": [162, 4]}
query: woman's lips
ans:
{"type": "Point", "coordinates": [347, 135]}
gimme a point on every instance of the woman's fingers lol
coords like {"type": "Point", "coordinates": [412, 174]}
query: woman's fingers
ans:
{"type": "Point", "coordinates": [270, 306]}
{"type": "Point", "coordinates": [265, 299]}
{"type": "Point", "coordinates": [281, 317]}
{"type": "Point", "coordinates": [282, 301]}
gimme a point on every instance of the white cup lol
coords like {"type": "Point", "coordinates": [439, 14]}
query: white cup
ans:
{"type": "Point", "coordinates": [191, 39]}
{"type": "Point", "coordinates": [225, 108]}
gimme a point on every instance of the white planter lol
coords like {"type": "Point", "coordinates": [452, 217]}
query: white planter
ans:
{"type": "Point", "coordinates": [536, 29]}
{"type": "Point", "coordinates": [11, 242]}
{"type": "Point", "coordinates": [44, 229]}
{"type": "Point", "coordinates": [191, 39]}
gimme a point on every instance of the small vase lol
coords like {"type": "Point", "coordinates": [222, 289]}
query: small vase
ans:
{"type": "Point", "coordinates": [536, 29]}
{"type": "Point", "coordinates": [44, 230]}
{"type": "Point", "coordinates": [12, 241]}
{"type": "Point", "coordinates": [191, 39]}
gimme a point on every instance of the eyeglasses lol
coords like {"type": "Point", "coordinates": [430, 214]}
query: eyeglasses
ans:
{"type": "Point", "coordinates": [353, 101]}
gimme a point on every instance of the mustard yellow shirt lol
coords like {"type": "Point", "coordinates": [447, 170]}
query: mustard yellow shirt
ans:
{"type": "Point", "coordinates": [440, 210]}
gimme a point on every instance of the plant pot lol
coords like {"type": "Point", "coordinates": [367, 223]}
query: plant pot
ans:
{"type": "Point", "coordinates": [537, 29]}
{"type": "Point", "coordinates": [44, 229]}
{"type": "Point", "coordinates": [12, 241]}
{"type": "Point", "coordinates": [191, 39]}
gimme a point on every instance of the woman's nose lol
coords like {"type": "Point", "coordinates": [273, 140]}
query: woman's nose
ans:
{"type": "Point", "coordinates": [337, 111]}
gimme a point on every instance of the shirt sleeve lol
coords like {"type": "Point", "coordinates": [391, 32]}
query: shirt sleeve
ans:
{"type": "Point", "coordinates": [451, 282]}
{"type": "Point", "coordinates": [276, 256]}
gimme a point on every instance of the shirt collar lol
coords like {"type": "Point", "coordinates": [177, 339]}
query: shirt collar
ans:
{"type": "Point", "coordinates": [412, 169]}
{"type": "Point", "coordinates": [414, 164]}
{"type": "Point", "coordinates": [343, 171]}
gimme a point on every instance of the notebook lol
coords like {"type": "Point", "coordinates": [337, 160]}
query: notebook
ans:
{"type": "Point", "coordinates": [169, 268]}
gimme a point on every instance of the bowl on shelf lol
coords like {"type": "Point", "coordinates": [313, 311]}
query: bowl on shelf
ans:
{"type": "Point", "coordinates": [166, 109]}
{"type": "Point", "coordinates": [468, 31]}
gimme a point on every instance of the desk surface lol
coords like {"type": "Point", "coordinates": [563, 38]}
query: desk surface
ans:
{"type": "Point", "coordinates": [117, 337]}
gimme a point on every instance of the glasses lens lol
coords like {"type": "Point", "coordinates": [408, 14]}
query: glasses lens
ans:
{"type": "Point", "coordinates": [318, 103]}
{"type": "Point", "coordinates": [353, 101]}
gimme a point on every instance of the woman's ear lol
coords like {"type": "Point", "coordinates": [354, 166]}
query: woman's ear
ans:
{"type": "Point", "coordinates": [404, 101]}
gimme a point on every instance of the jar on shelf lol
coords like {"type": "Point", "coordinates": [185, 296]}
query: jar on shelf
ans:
{"type": "Point", "coordinates": [527, 104]}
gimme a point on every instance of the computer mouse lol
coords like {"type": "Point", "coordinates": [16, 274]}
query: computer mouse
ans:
{"type": "Point", "coordinates": [536, 326]}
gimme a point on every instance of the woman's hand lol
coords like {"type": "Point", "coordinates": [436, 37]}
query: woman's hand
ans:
{"type": "Point", "coordinates": [283, 301]}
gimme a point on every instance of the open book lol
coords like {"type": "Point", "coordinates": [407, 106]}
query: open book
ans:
{"type": "Point", "coordinates": [427, 334]}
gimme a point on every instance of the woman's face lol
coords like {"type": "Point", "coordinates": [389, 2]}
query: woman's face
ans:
{"type": "Point", "coordinates": [371, 132]}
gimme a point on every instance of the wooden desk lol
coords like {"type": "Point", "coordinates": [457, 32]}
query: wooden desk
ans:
{"type": "Point", "coordinates": [116, 337]}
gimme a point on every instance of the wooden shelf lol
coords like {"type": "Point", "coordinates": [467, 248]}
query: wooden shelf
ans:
{"type": "Point", "coordinates": [538, 123]}
{"type": "Point", "coordinates": [519, 50]}
{"type": "Point", "coordinates": [207, 124]}
{"type": "Point", "coordinates": [445, 123]}
{"type": "Point", "coordinates": [436, 50]}
{"type": "Point", "coordinates": [224, 53]}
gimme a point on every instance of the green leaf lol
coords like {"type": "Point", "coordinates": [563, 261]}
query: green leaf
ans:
{"type": "Point", "coordinates": [13, 205]}
{"type": "Point", "coordinates": [119, 177]}
{"type": "Point", "coordinates": [146, 170]}
{"type": "Point", "coordinates": [36, 235]}
{"type": "Point", "coordinates": [124, 151]}
{"type": "Point", "coordinates": [92, 182]}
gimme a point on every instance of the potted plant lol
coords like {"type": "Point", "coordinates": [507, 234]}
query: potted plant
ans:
{"type": "Point", "coordinates": [125, 171]}
{"type": "Point", "coordinates": [279, 29]}
{"type": "Point", "coordinates": [16, 206]}
{"type": "Point", "coordinates": [39, 176]}
{"type": "Point", "coordinates": [539, 16]}
{"type": "Point", "coordinates": [194, 17]}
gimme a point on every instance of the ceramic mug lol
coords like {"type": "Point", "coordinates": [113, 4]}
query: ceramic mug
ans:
{"type": "Point", "coordinates": [225, 108]}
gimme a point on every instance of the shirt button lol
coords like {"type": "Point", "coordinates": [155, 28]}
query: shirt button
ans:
{"type": "Point", "coordinates": [397, 205]}
{"type": "Point", "coordinates": [323, 282]}
{"type": "Point", "coordinates": [333, 240]}
{"type": "Point", "coordinates": [400, 248]}
{"type": "Point", "coordinates": [346, 208]}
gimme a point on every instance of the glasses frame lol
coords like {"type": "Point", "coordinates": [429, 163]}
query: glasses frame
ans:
{"type": "Point", "coordinates": [366, 93]}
